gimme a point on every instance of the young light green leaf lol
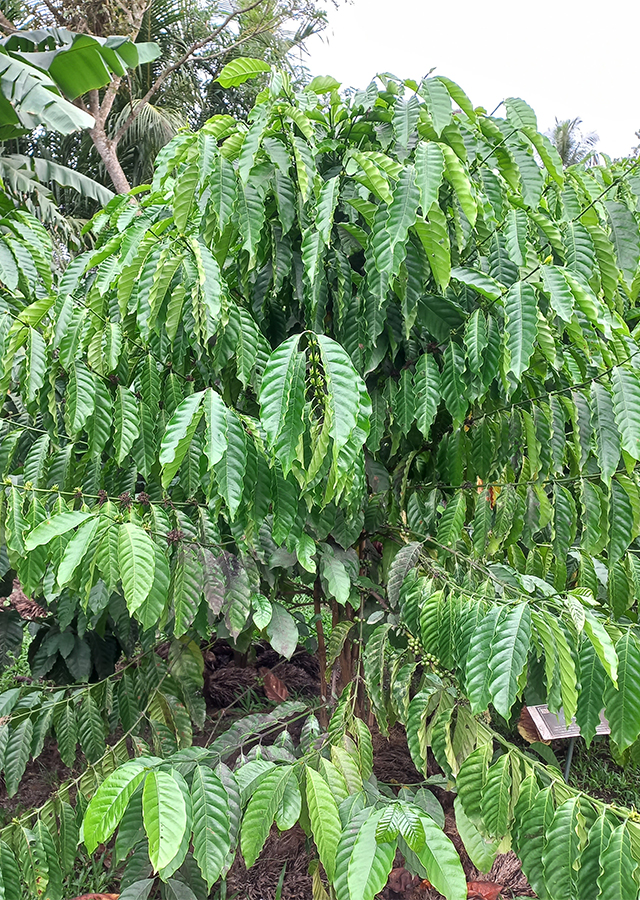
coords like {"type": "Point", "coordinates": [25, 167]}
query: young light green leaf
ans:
{"type": "Point", "coordinates": [210, 823]}
{"type": "Point", "coordinates": [429, 162]}
{"type": "Point", "coordinates": [54, 527]}
{"type": "Point", "coordinates": [520, 307]}
{"type": "Point", "coordinates": [164, 814]}
{"type": "Point", "coordinates": [324, 818]}
{"type": "Point", "coordinates": [108, 804]}
{"type": "Point", "coordinates": [136, 557]}
{"type": "Point", "coordinates": [242, 69]}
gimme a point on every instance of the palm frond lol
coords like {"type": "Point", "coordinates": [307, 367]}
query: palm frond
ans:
{"type": "Point", "coordinates": [572, 145]}
{"type": "Point", "coordinates": [153, 127]}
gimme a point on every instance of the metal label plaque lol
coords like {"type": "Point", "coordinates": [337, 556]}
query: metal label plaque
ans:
{"type": "Point", "coordinates": [552, 727]}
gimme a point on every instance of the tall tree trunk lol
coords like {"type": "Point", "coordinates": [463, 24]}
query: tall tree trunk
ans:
{"type": "Point", "coordinates": [109, 156]}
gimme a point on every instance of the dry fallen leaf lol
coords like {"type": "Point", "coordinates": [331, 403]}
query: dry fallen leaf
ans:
{"type": "Point", "coordinates": [400, 880]}
{"type": "Point", "coordinates": [274, 688]}
{"type": "Point", "coordinates": [527, 727]}
{"type": "Point", "coordinates": [484, 890]}
{"type": "Point", "coordinates": [97, 897]}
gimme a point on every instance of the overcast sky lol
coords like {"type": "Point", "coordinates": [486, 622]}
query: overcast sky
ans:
{"type": "Point", "coordinates": [564, 59]}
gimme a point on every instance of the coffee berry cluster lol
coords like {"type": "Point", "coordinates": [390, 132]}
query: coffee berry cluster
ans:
{"type": "Point", "coordinates": [428, 659]}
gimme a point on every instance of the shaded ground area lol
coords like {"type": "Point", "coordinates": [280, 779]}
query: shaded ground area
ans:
{"type": "Point", "coordinates": [41, 778]}
{"type": "Point", "coordinates": [233, 690]}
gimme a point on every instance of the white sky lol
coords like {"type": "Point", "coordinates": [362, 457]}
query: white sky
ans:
{"type": "Point", "coordinates": [566, 59]}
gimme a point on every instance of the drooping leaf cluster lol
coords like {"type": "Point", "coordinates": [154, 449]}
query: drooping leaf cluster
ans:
{"type": "Point", "coordinates": [353, 347]}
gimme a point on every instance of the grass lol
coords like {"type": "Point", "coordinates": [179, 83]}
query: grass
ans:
{"type": "Point", "coordinates": [594, 771]}
{"type": "Point", "coordinates": [91, 875]}
{"type": "Point", "coordinates": [19, 666]}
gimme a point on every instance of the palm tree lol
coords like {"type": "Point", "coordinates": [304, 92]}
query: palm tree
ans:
{"type": "Point", "coordinates": [137, 113]}
{"type": "Point", "coordinates": [573, 146]}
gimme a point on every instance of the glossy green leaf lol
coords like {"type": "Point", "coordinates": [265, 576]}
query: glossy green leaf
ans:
{"type": "Point", "coordinates": [429, 162]}
{"type": "Point", "coordinates": [441, 861]}
{"type": "Point", "coordinates": [261, 812]}
{"type": "Point", "coordinates": [566, 838]}
{"type": "Point", "coordinates": [626, 403]}
{"type": "Point", "coordinates": [240, 70]}
{"type": "Point", "coordinates": [623, 705]}
{"type": "Point", "coordinates": [179, 434]}
{"type": "Point", "coordinates": [282, 400]}
{"type": "Point", "coordinates": [108, 804]}
{"type": "Point", "coordinates": [210, 823]}
{"type": "Point", "coordinates": [625, 237]}
{"type": "Point", "coordinates": [370, 862]}
{"type": "Point", "coordinates": [164, 815]}
{"type": "Point", "coordinates": [126, 423]}
{"type": "Point", "coordinates": [508, 656]}
{"type": "Point", "coordinates": [496, 797]}
{"type": "Point", "coordinates": [55, 527]}
{"type": "Point", "coordinates": [427, 392]}
{"type": "Point", "coordinates": [324, 818]}
{"type": "Point", "coordinates": [136, 558]}
{"type": "Point", "coordinates": [435, 239]}
{"type": "Point", "coordinates": [520, 308]}
{"type": "Point", "coordinates": [618, 867]}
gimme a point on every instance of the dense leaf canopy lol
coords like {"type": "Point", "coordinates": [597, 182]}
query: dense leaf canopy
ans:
{"type": "Point", "coordinates": [357, 347]}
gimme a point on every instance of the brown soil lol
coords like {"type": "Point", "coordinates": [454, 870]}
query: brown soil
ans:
{"type": "Point", "coordinates": [24, 606]}
{"type": "Point", "coordinates": [392, 763]}
{"type": "Point", "coordinates": [260, 883]}
{"type": "Point", "coordinates": [41, 778]}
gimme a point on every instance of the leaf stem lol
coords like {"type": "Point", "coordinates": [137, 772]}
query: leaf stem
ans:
{"type": "Point", "coordinates": [322, 649]}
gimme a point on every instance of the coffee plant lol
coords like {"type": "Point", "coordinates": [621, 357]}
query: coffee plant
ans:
{"type": "Point", "coordinates": [377, 352]}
